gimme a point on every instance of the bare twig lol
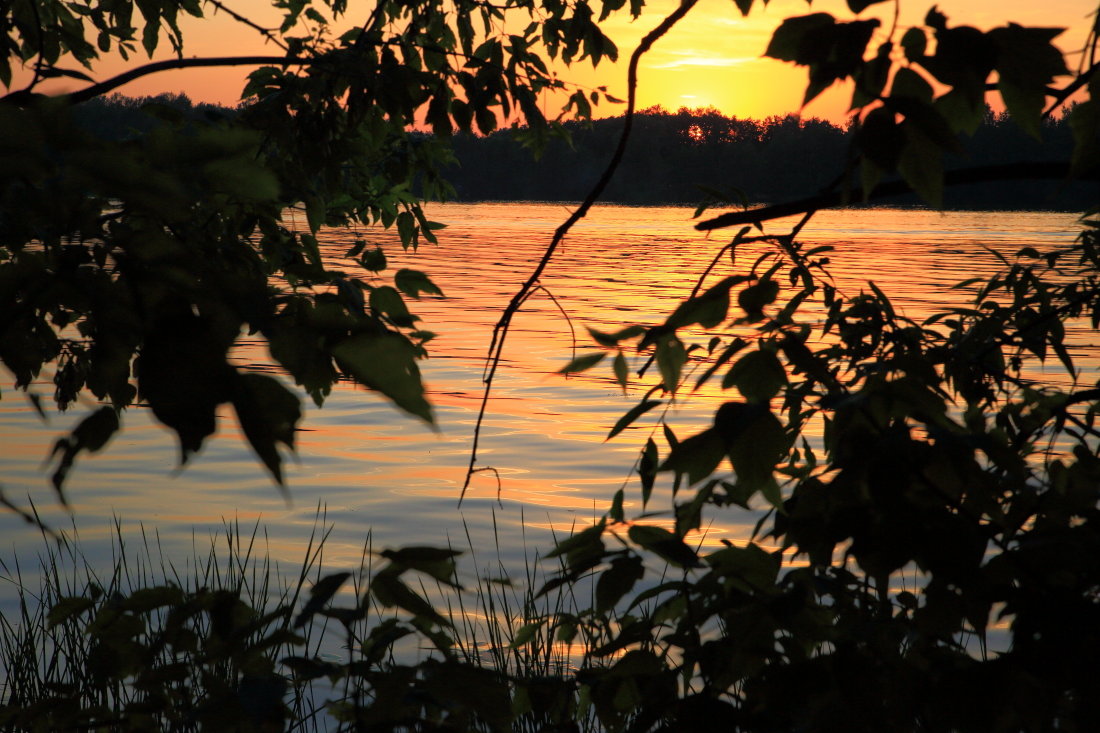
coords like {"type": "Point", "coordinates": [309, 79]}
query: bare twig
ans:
{"type": "Point", "coordinates": [265, 32]}
{"type": "Point", "coordinates": [500, 331]}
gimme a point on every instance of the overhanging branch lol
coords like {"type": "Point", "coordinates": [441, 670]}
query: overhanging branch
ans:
{"type": "Point", "coordinates": [1052, 170]}
{"type": "Point", "coordinates": [100, 88]}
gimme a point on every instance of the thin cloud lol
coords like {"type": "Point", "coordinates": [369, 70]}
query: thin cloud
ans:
{"type": "Point", "coordinates": [694, 59]}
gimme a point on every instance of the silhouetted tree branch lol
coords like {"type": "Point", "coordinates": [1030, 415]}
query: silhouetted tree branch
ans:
{"type": "Point", "coordinates": [833, 199]}
{"type": "Point", "coordinates": [500, 331]}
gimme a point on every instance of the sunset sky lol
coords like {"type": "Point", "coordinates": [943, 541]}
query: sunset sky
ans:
{"type": "Point", "coordinates": [712, 58]}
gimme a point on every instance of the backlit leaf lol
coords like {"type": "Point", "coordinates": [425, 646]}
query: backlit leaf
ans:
{"type": "Point", "coordinates": [617, 581]}
{"type": "Point", "coordinates": [664, 544]}
{"type": "Point", "coordinates": [386, 363]}
{"type": "Point", "coordinates": [758, 376]}
{"type": "Point", "coordinates": [633, 414]}
{"type": "Point", "coordinates": [583, 363]}
{"type": "Point", "coordinates": [414, 282]}
{"type": "Point", "coordinates": [269, 414]}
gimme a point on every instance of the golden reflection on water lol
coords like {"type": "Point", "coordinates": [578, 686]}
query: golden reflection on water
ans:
{"type": "Point", "coordinates": [381, 473]}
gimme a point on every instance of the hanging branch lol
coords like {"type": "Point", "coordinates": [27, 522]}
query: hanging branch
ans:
{"type": "Point", "coordinates": [979, 174]}
{"type": "Point", "coordinates": [500, 331]}
{"type": "Point", "coordinates": [100, 88]}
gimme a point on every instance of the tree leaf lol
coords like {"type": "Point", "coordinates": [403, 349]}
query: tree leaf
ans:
{"type": "Point", "coordinates": [319, 596]}
{"type": "Point", "coordinates": [583, 363]}
{"type": "Point", "coordinates": [620, 370]}
{"type": "Point", "coordinates": [388, 302]}
{"type": "Point", "coordinates": [671, 357]}
{"type": "Point", "coordinates": [386, 363]}
{"type": "Point", "coordinates": [390, 591]}
{"type": "Point", "coordinates": [68, 608]}
{"type": "Point", "coordinates": [1026, 63]}
{"type": "Point", "coordinates": [858, 6]}
{"type": "Point", "coordinates": [633, 414]}
{"type": "Point", "coordinates": [618, 580]}
{"type": "Point", "coordinates": [414, 282]}
{"type": "Point", "coordinates": [91, 434]}
{"type": "Point", "coordinates": [921, 165]}
{"type": "Point", "coordinates": [664, 544]}
{"type": "Point", "coordinates": [269, 414]}
{"type": "Point", "coordinates": [697, 456]}
{"type": "Point", "coordinates": [758, 376]}
{"type": "Point", "coordinates": [753, 298]}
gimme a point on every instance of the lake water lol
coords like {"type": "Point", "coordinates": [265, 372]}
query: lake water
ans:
{"type": "Point", "coordinates": [377, 471]}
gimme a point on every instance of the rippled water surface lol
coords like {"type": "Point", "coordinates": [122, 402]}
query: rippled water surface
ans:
{"type": "Point", "coordinates": [378, 471]}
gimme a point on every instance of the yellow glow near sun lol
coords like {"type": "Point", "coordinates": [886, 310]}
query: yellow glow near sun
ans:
{"type": "Point", "coordinates": [713, 57]}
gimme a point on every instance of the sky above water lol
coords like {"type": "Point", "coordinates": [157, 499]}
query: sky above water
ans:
{"type": "Point", "coordinates": [714, 57]}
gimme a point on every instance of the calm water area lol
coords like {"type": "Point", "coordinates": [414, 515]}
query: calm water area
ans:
{"type": "Point", "coordinates": [376, 471]}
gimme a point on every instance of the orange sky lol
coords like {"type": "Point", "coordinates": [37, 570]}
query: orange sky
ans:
{"type": "Point", "coordinates": [712, 58]}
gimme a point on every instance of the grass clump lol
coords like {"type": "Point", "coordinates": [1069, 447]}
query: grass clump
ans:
{"type": "Point", "coordinates": [227, 642]}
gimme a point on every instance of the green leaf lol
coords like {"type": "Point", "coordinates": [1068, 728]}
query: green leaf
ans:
{"type": "Point", "coordinates": [664, 544]}
{"type": "Point", "coordinates": [586, 539]}
{"type": "Point", "coordinates": [754, 569]}
{"type": "Point", "coordinates": [708, 309]}
{"type": "Point", "coordinates": [91, 434]}
{"type": "Point", "coordinates": [671, 357]}
{"type": "Point", "coordinates": [414, 282]}
{"type": "Point", "coordinates": [374, 260]}
{"type": "Point", "coordinates": [1027, 62]}
{"type": "Point", "coordinates": [633, 414]}
{"type": "Point", "coordinates": [758, 376]}
{"type": "Point", "coordinates": [696, 457]}
{"type": "Point", "coordinates": [525, 634]}
{"type": "Point", "coordinates": [269, 414]}
{"type": "Point", "coordinates": [390, 591]}
{"type": "Point", "coordinates": [68, 608]}
{"type": "Point", "coordinates": [858, 6]}
{"type": "Point", "coordinates": [753, 298]}
{"type": "Point", "coordinates": [386, 363]}
{"type": "Point", "coordinates": [388, 302]}
{"type": "Point", "coordinates": [647, 469]}
{"type": "Point", "coordinates": [319, 596]}
{"type": "Point", "coordinates": [755, 441]}
{"type": "Point", "coordinates": [908, 83]}
{"type": "Point", "coordinates": [914, 43]}
{"type": "Point", "coordinates": [144, 600]}
{"type": "Point", "coordinates": [1084, 121]}
{"type": "Point", "coordinates": [618, 580]}
{"type": "Point", "coordinates": [788, 42]}
{"type": "Point", "coordinates": [963, 113]}
{"type": "Point", "coordinates": [615, 513]}
{"type": "Point", "coordinates": [583, 363]}
{"type": "Point", "coordinates": [832, 51]}
{"type": "Point", "coordinates": [963, 60]}
{"type": "Point", "coordinates": [434, 561]}
{"type": "Point", "coordinates": [611, 340]}
{"type": "Point", "coordinates": [620, 370]}
{"type": "Point", "coordinates": [921, 165]}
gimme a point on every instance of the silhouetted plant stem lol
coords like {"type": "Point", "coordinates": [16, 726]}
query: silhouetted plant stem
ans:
{"type": "Point", "coordinates": [500, 331]}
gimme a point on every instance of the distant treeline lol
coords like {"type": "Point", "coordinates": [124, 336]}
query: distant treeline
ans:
{"type": "Point", "coordinates": [678, 157]}
{"type": "Point", "coordinates": [118, 117]}
{"type": "Point", "coordinates": [675, 157]}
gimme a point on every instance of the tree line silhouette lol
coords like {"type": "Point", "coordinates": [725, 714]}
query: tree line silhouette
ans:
{"type": "Point", "coordinates": [680, 157]}
{"type": "Point", "coordinates": [689, 155]}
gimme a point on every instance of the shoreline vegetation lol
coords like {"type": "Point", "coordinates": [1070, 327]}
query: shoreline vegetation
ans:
{"type": "Point", "coordinates": [689, 157]}
{"type": "Point", "coordinates": [936, 482]}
